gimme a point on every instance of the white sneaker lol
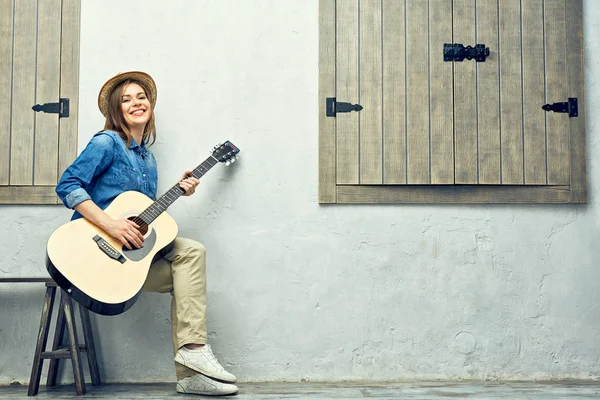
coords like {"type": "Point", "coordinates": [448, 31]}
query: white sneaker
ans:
{"type": "Point", "coordinates": [200, 384]}
{"type": "Point", "coordinates": [203, 360]}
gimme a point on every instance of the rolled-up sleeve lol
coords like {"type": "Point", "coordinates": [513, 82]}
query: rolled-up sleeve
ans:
{"type": "Point", "coordinates": [93, 160]}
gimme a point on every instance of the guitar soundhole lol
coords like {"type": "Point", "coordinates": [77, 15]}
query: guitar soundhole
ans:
{"type": "Point", "coordinates": [143, 226]}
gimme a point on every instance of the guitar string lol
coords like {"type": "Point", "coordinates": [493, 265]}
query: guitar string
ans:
{"type": "Point", "coordinates": [171, 195]}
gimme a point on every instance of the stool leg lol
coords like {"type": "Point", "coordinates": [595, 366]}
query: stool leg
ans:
{"type": "Point", "coordinates": [36, 369]}
{"type": "Point", "coordinates": [90, 348]}
{"type": "Point", "coordinates": [73, 344]}
{"type": "Point", "coordinates": [59, 333]}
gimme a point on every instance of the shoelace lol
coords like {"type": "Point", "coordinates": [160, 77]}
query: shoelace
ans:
{"type": "Point", "coordinates": [210, 354]}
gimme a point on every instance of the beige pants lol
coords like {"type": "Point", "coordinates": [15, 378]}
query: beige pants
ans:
{"type": "Point", "coordinates": [182, 272]}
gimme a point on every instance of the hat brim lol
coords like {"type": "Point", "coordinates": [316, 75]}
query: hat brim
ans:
{"type": "Point", "coordinates": [113, 82]}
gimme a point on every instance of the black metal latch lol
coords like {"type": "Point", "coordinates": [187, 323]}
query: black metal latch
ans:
{"type": "Point", "coordinates": [333, 107]}
{"type": "Point", "coordinates": [566, 107]}
{"type": "Point", "coordinates": [458, 52]}
{"type": "Point", "coordinates": [61, 108]}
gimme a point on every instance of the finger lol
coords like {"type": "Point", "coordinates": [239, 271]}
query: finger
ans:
{"type": "Point", "coordinates": [123, 240]}
{"type": "Point", "coordinates": [133, 223]}
{"type": "Point", "coordinates": [134, 230]}
{"type": "Point", "coordinates": [137, 235]}
{"type": "Point", "coordinates": [132, 238]}
{"type": "Point", "coordinates": [133, 227]}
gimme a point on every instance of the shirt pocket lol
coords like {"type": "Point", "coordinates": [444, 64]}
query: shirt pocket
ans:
{"type": "Point", "coordinates": [128, 178]}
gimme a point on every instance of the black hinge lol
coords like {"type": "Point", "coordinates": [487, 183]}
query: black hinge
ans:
{"type": "Point", "coordinates": [565, 107]}
{"type": "Point", "coordinates": [61, 108]}
{"type": "Point", "coordinates": [332, 107]}
{"type": "Point", "coordinates": [458, 52]}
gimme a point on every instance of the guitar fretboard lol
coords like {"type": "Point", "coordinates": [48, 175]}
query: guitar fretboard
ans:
{"type": "Point", "coordinates": [160, 205]}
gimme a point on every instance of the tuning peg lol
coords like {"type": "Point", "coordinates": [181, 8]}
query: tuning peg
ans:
{"type": "Point", "coordinates": [232, 160]}
{"type": "Point", "coordinates": [228, 163]}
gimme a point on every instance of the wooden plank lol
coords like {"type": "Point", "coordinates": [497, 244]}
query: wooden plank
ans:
{"type": "Point", "coordinates": [57, 354]}
{"type": "Point", "coordinates": [59, 333]}
{"type": "Point", "coordinates": [451, 194]}
{"type": "Point", "coordinates": [511, 92]}
{"type": "Point", "coordinates": [69, 82]}
{"type": "Point", "coordinates": [577, 89]}
{"type": "Point", "coordinates": [394, 92]}
{"type": "Point", "coordinates": [6, 48]}
{"type": "Point", "coordinates": [488, 95]}
{"type": "Point", "coordinates": [36, 370]}
{"type": "Point", "coordinates": [28, 195]}
{"type": "Point", "coordinates": [557, 125]}
{"type": "Point", "coordinates": [23, 93]}
{"type": "Point", "coordinates": [68, 305]}
{"type": "Point", "coordinates": [465, 97]}
{"type": "Point", "coordinates": [347, 124]}
{"type": "Point", "coordinates": [89, 347]}
{"type": "Point", "coordinates": [327, 166]}
{"type": "Point", "coordinates": [48, 81]}
{"type": "Point", "coordinates": [417, 89]}
{"type": "Point", "coordinates": [534, 123]}
{"type": "Point", "coordinates": [371, 76]}
{"type": "Point", "coordinates": [27, 280]}
{"type": "Point", "coordinates": [441, 97]}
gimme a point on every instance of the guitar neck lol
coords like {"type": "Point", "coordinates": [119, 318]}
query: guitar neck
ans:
{"type": "Point", "coordinates": [160, 205]}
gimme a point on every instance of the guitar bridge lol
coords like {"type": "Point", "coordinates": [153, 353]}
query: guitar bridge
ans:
{"type": "Point", "coordinates": [109, 250]}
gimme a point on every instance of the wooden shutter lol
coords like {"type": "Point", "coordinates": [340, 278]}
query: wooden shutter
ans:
{"type": "Point", "coordinates": [39, 63]}
{"type": "Point", "coordinates": [404, 132]}
{"type": "Point", "coordinates": [435, 131]}
{"type": "Point", "coordinates": [504, 136]}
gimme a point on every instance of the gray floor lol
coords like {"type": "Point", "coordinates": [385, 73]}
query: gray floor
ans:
{"type": "Point", "coordinates": [581, 390]}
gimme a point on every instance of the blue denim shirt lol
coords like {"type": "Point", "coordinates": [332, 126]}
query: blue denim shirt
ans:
{"type": "Point", "coordinates": [105, 169]}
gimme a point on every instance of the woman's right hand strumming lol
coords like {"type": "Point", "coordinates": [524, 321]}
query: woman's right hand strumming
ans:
{"type": "Point", "coordinates": [126, 232]}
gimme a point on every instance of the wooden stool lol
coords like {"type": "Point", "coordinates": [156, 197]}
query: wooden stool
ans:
{"type": "Point", "coordinates": [65, 319]}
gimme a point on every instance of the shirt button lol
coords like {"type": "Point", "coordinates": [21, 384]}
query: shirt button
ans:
{"type": "Point", "coordinates": [144, 175]}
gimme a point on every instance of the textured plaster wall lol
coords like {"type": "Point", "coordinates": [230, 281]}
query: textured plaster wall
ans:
{"type": "Point", "coordinates": [302, 291]}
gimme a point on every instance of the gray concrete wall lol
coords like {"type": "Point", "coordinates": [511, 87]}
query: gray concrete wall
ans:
{"type": "Point", "coordinates": [302, 291]}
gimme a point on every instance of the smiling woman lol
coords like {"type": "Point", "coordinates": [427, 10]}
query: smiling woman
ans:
{"type": "Point", "coordinates": [117, 160]}
{"type": "Point", "coordinates": [135, 105]}
{"type": "Point", "coordinates": [122, 97]}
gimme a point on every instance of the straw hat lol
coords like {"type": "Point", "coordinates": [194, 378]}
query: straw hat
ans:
{"type": "Point", "coordinates": [108, 87]}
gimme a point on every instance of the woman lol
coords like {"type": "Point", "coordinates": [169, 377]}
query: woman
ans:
{"type": "Point", "coordinates": [116, 160]}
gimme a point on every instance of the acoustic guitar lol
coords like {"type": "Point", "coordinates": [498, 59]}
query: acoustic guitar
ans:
{"type": "Point", "coordinates": [98, 271]}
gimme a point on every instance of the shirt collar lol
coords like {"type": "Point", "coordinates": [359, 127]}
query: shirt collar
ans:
{"type": "Point", "coordinates": [134, 144]}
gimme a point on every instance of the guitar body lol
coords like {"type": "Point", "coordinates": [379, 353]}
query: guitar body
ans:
{"type": "Point", "coordinates": [105, 285]}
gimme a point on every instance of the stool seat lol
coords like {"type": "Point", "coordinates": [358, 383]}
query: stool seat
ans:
{"type": "Point", "coordinates": [64, 320]}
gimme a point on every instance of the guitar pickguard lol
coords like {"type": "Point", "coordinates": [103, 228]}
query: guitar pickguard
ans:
{"type": "Point", "coordinates": [138, 254]}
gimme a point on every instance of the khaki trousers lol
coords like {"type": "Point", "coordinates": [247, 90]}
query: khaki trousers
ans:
{"type": "Point", "coordinates": [182, 272]}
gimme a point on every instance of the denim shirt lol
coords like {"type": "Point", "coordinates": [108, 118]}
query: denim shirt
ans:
{"type": "Point", "coordinates": [105, 169]}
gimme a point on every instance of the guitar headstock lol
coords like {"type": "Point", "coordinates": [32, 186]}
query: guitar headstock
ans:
{"type": "Point", "coordinates": [226, 152]}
